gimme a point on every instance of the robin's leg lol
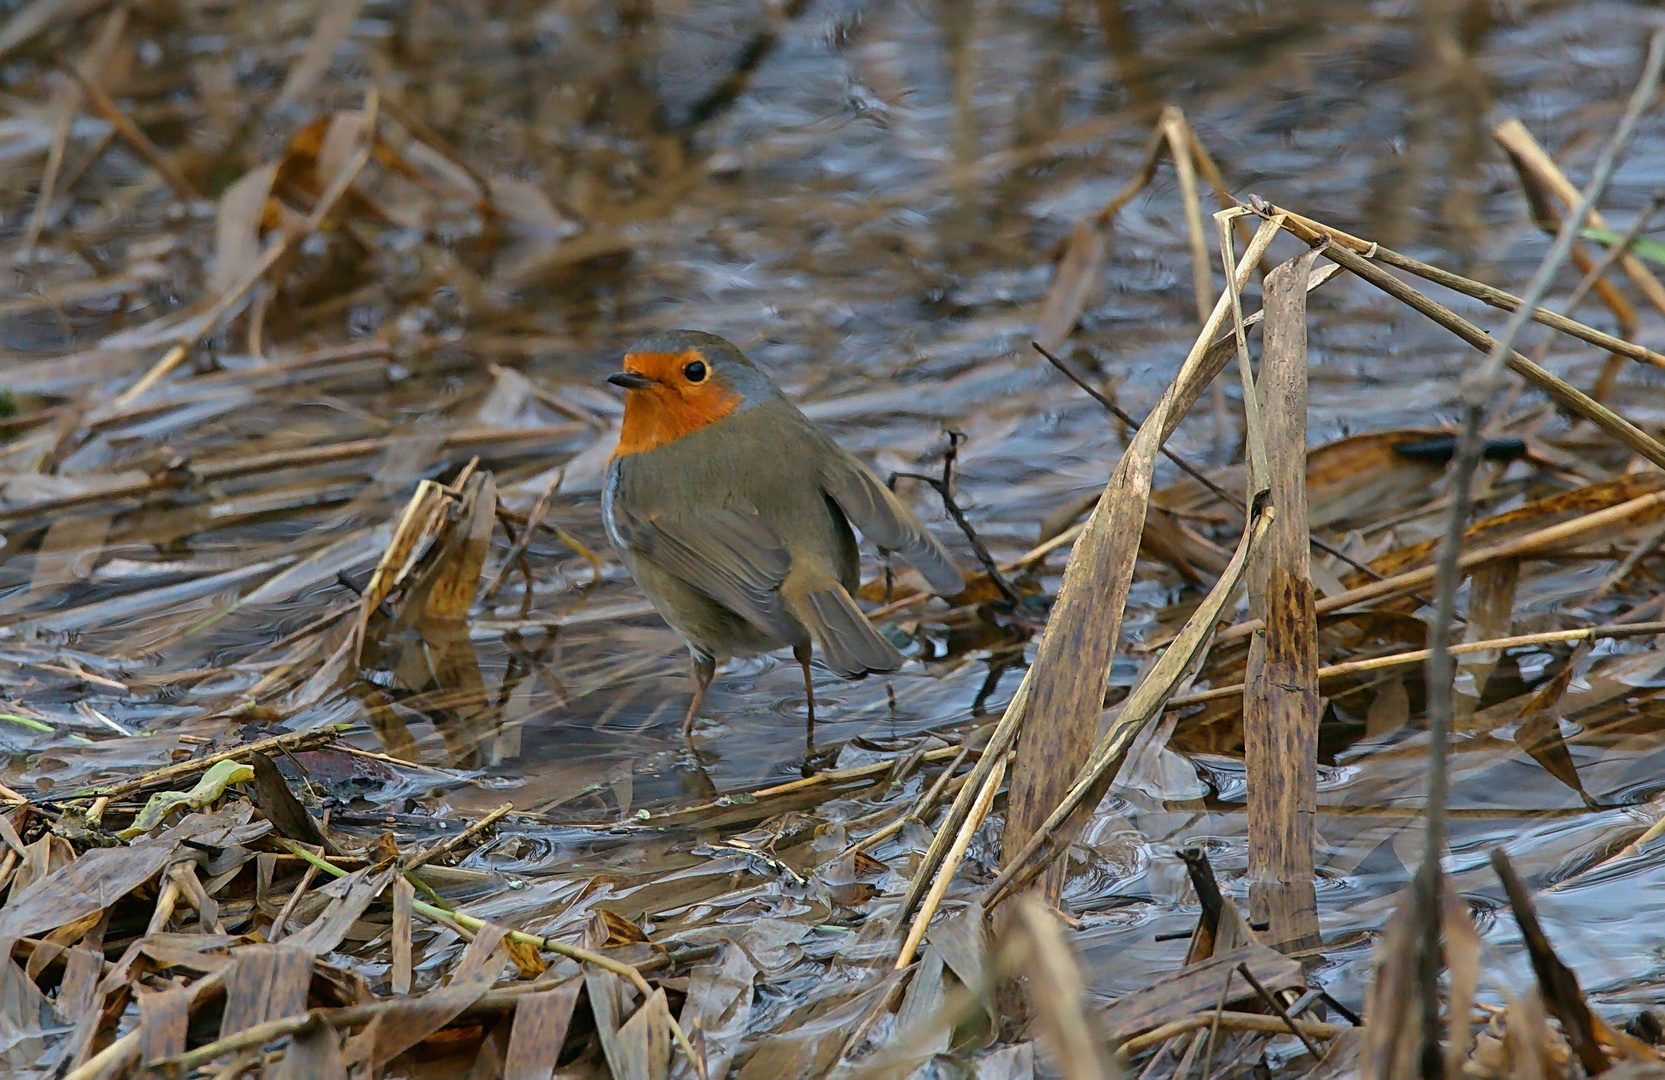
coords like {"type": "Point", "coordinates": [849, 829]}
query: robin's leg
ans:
{"type": "Point", "coordinates": [802, 654]}
{"type": "Point", "coordinates": [704, 668]}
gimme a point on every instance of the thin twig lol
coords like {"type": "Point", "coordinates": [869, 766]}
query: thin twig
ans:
{"type": "Point", "coordinates": [1217, 1020]}
{"type": "Point", "coordinates": [1277, 1006]}
{"type": "Point", "coordinates": [945, 490]}
{"type": "Point", "coordinates": [517, 549]}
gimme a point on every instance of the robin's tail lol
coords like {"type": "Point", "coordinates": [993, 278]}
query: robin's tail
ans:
{"type": "Point", "coordinates": [847, 642]}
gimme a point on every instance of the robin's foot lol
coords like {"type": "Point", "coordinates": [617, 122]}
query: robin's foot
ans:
{"type": "Point", "coordinates": [704, 668]}
{"type": "Point", "coordinates": [802, 654]}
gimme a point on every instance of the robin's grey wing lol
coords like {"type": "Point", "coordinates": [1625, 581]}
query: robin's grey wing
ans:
{"type": "Point", "coordinates": [886, 520]}
{"type": "Point", "coordinates": [728, 553]}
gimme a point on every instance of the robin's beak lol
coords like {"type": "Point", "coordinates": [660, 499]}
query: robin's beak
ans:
{"type": "Point", "coordinates": [630, 380]}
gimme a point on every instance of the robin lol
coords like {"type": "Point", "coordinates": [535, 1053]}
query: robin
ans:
{"type": "Point", "coordinates": [733, 512]}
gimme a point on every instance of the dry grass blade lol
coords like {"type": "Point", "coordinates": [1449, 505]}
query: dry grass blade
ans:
{"type": "Point", "coordinates": [1197, 988]}
{"type": "Point", "coordinates": [414, 1019]}
{"type": "Point", "coordinates": [1393, 1036]}
{"type": "Point", "coordinates": [1066, 683]}
{"type": "Point", "coordinates": [541, 1022]}
{"type": "Point", "coordinates": [404, 893]}
{"type": "Point", "coordinates": [1178, 134]}
{"type": "Point", "coordinates": [1280, 700]}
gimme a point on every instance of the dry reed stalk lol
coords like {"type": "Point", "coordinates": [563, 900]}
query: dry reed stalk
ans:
{"type": "Point", "coordinates": [1559, 390]}
{"type": "Point", "coordinates": [1226, 1021]}
{"type": "Point", "coordinates": [1417, 656]}
{"type": "Point", "coordinates": [1179, 138]}
{"type": "Point", "coordinates": [1529, 156]}
{"type": "Point", "coordinates": [287, 743]}
{"type": "Point", "coordinates": [1521, 546]}
{"type": "Point", "coordinates": [1076, 649]}
{"type": "Point", "coordinates": [1281, 707]}
{"type": "Point", "coordinates": [1057, 995]}
{"type": "Point", "coordinates": [1311, 230]}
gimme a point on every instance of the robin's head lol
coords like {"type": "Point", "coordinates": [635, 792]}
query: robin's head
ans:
{"type": "Point", "coordinates": [679, 382]}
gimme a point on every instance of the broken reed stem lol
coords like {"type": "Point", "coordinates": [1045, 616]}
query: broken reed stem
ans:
{"type": "Point", "coordinates": [1280, 701]}
{"type": "Point", "coordinates": [1078, 646]}
{"type": "Point", "coordinates": [1310, 229]}
{"type": "Point", "coordinates": [1417, 656]}
{"type": "Point", "coordinates": [475, 925]}
{"type": "Point", "coordinates": [289, 743]}
{"type": "Point", "coordinates": [1478, 390]}
{"type": "Point", "coordinates": [1230, 1021]}
{"type": "Point", "coordinates": [452, 843]}
{"type": "Point", "coordinates": [951, 865]}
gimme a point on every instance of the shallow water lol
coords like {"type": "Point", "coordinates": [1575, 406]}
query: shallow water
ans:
{"type": "Point", "coordinates": [874, 221]}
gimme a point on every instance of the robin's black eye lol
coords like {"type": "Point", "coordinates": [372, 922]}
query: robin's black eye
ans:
{"type": "Point", "coordinates": [694, 372]}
